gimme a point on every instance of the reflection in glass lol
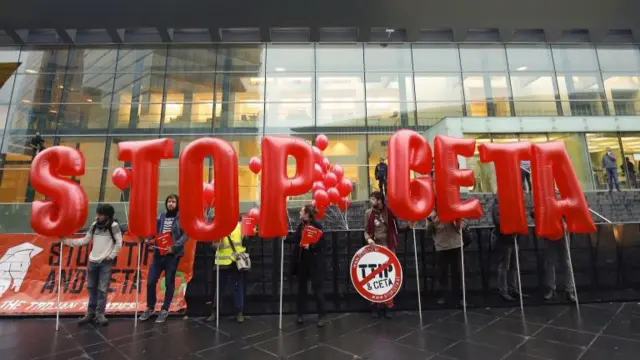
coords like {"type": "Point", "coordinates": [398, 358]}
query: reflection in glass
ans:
{"type": "Point", "coordinates": [189, 100]}
{"type": "Point", "coordinates": [34, 117]}
{"type": "Point", "coordinates": [290, 57]}
{"type": "Point", "coordinates": [619, 58]}
{"type": "Point", "coordinates": [487, 95]}
{"type": "Point", "coordinates": [387, 58]}
{"type": "Point", "coordinates": [440, 58]}
{"type": "Point", "coordinates": [390, 114]}
{"type": "Point", "coordinates": [581, 94]}
{"type": "Point", "coordinates": [484, 172]}
{"type": "Point", "coordinates": [92, 60]}
{"type": "Point", "coordinates": [341, 114]}
{"type": "Point", "coordinates": [243, 58]}
{"type": "Point", "coordinates": [575, 58]}
{"type": "Point", "coordinates": [142, 59]}
{"type": "Point", "coordinates": [192, 59]}
{"type": "Point", "coordinates": [239, 87]}
{"type": "Point", "coordinates": [623, 93]}
{"type": "Point", "coordinates": [334, 58]}
{"type": "Point", "coordinates": [239, 115]}
{"type": "Point", "coordinates": [289, 117]}
{"type": "Point", "coordinates": [38, 89]}
{"type": "Point", "coordinates": [89, 115]}
{"type": "Point", "coordinates": [438, 87]}
{"type": "Point", "coordinates": [597, 145]}
{"type": "Point", "coordinates": [389, 87]}
{"type": "Point", "coordinates": [483, 58]}
{"type": "Point", "coordinates": [631, 147]}
{"type": "Point", "coordinates": [34, 61]}
{"type": "Point", "coordinates": [529, 58]}
{"type": "Point", "coordinates": [340, 87]}
{"type": "Point", "coordinates": [533, 94]}
{"type": "Point", "coordinates": [289, 88]}
{"type": "Point", "coordinates": [93, 150]}
{"type": "Point", "coordinates": [429, 113]}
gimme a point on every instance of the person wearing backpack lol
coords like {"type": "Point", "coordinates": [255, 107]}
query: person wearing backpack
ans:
{"type": "Point", "coordinates": [107, 241]}
{"type": "Point", "coordinates": [165, 260]}
{"type": "Point", "coordinates": [228, 252]}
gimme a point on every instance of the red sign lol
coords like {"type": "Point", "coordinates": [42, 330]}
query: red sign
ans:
{"type": "Point", "coordinates": [248, 226]}
{"type": "Point", "coordinates": [163, 242]}
{"type": "Point", "coordinates": [376, 273]}
{"type": "Point", "coordinates": [310, 235]}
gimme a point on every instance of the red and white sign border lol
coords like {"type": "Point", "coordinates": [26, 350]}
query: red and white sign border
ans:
{"type": "Point", "coordinates": [392, 260]}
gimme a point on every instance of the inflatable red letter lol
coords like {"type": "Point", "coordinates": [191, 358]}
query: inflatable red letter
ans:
{"type": "Point", "coordinates": [410, 199]}
{"type": "Point", "coordinates": [144, 157]}
{"type": "Point", "coordinates": [449, 178]}
{"type": "Point", "coordinates": [506, 159]}
{"type": "Point", "coordinates": [66, 213]}
{"type": "Point", "coordinates": [550, 163]}
{"type": "Point", "coordinates": [225, 171]}
{"type": "Point", "coordinates": [276, 186]}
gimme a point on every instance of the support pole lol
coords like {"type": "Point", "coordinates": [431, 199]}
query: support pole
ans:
{"type": "Point", "coordinates": [464, 282]}
{"type": "Point", "coordinates": [573, 278]}
{"type": "Point", "coordinates": [217, 293]}
{"type": "Point", "coordinates": [59, 286]}
{"type": "Point", "coordinates": [415, 253]}
{"type": "Point", "coordinates": [515, 243]}
{"type": "Point", "coordinates": [281, 280]}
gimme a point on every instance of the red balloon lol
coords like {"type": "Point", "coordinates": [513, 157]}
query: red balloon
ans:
{"type": "Point", "coordinates": [344, 203]}
{"type": "Point", "coordinates": [318, 174]}
{"type": "Point", "coordinates": [225, 170]}
{"type": "Point", "coordinates": [255, 165]}
{"type": "Point", "coordinates": [321, 197]}
{"type": "Point", "coordinates": [334, 195]}
{"type": "Point", "coordinates": [276, 186]}
{"type": "Point", "coordinates": [321, 212]}
{"type": "Point", "coordinates": [208, 194]}
{"type": "Point", "coordinates": [322, 142]}
{"type": "Point", "coordinates": [449, 178]}
{"type": "Point", "coordinates": [145, 157]}
{"type": "Point", "coordinates": [330, 180]}
{"type": "Point", "coordinates": [66, 212]}
{"type": "Point", "coordinates": [318, 185]}
{"type": "Point", "coordinates": [410, 199]}
{"type": "Point", "coordinates": [327, 164]}
{"type": "Point", "coordinates": [551, 164]}
{"type": "Point", "coordinates": [345, 187]}
{"type": "Point", "coordinates": [318, 158]}
{"type": "Point", "coordinates": [313, 203]}
{"type": "Point", "coordinates": [506, 158]}
{"type": "Point", "coordinates": [121, 178]}
{"type": "Point", "coordinates": [338, 170]}
{"type": "Point", "coordinates": [254, 213]}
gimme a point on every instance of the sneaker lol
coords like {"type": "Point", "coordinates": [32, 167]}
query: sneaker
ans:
{"type": "Point", "coordinates": [101, 320]}
{"type": "Point", "coordinates": [164, 314]}
{"type": "Point", "coordinates": [240, 317]}
{"type": "Point", "coordinates": [86, 319]}
{"type": "Point", "coordinates": [516, 294]}
{"type": "Point", "coordinates": [146, 315]}
{"type": "Point", "coordinates": [550, 294]}
{"type": "Point", "coordinates": [571, 297]}
{"type": "Point", "coordinates": [212, 317]}
{"type": "Point", "coordinates": [300, 320]}
{"type": "Point", "coordinates": [506, 296]}
{"type": "Point", "coordinates": [321, 321]}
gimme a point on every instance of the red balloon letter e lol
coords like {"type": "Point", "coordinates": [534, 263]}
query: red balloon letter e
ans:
{"type": "Point", "coordinates": [66, 213]}
{"type": "Point", "coordinates": [449, 179]}
{"type": "Point", "coordinates": [550, 163]}
{"type": "Point", "coordinates": [144, 157]}
{"type": "Point", "coordinates": [225, 171]}
{"type": "Point", "coordinates": [276, 185]}
{"type": "Point", "coordinates": [410, 199]}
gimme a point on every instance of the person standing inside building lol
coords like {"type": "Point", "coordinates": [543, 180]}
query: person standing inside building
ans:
{"type": "Point", "coordinates": [630, 171]}
{"type": "Point", "coordinates": [165, 260]}
{"type": "Point", "coordinates": [227, 251]}
{"type": "Point", "coordinates": [107, 241]}
{"type": "Point", "coordinates": [525, 170]}
{"type": "Point", "coordinates": [448, 244]}
{"type": "Point", "coordinates": [307, 264]}
{"type": "Point", "coordinates": [37, 144]}
{"type": "Point", "coordinates": [610, 165]}
{"type": "Point", "coordinates": [381, 176]}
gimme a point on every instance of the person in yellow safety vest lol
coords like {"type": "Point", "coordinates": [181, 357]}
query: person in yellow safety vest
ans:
{"type": "Point", "coordinates": [225, 259]}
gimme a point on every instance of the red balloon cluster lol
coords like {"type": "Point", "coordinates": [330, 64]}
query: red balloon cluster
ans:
{"type": "Point", "coordinates": [330, 186]}
{"type": "Point", "coordinates": [208, 194]}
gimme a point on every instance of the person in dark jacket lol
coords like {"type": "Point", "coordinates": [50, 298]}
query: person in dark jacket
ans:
{"type": "Point", "coordinates": [168, 262]}
{"type": "Point", "coordinates": [381, 176]}
{"type": "Point", "coordinates": [610, 165]}
{"type": "Point", "coordinates": [507, 270]}
{"type": "Point", "coordinates": [307, 264]}
{"type": "Point", "coordinates": [630, 171]}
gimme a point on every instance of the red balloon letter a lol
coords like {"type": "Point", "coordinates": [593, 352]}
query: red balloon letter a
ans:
{"type": "Point", "coordinates": [67, 212]}
{"type": "Point", "coordinates": [550, 163]}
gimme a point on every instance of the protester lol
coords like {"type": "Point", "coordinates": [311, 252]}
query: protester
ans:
{"type": "Point", "coordinates": [381, 228]}
{"type": "Point", "coordinates": [381, 176]}
{"type": "Point", "coordinates": [507, 270]}
{"type": "Point", "coordinates": [525, 170]}
{"type": "Point", "coordinates": [630, 171]}
{"type": "Point", "coordinates": [227, 251]}
{"type": "Point", "coordinates": [37, 144]}
{"type": "Point", "coordinates": [609, 163]}
{"type": "Point", "coordinates": [107, 241]}
{"type": "Point", "coordinates": [447, 241]}
{"type": "Point", "coordinates": [168, 222]}
{"type": "Point", "coordinates": [307, 264]}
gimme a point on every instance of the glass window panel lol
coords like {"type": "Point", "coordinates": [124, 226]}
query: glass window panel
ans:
{"type": "Point", "coordinates": [88, 88]}
{"type": "Point", "coordinates": [40, 117]}
{"type": "Point", "coordinates": [330, 57]}
{"type": "Point", "coordinates": [383, 87]}
{"type": "Point", "coordinates": [441, 58]}
{"type": "Point", "coordinates": [438, 87]}
{"type": "Point", "coordinates": [597, 145]}
{"type": "Point", "coordinates": [8, 66]}
{"type": "Point", "coordinates": [575, 58]}
{"type": "Point", "coordinates": [340, 87]}
{"type": "Point", "coordinates": [623, 93]}
{"type": "Point", "coordinates": [289, 117]}
{"type": "Point", "coordinates": [529, 58]}
{"type": "Point", "coordinates": [189, 100]}
{"type": "Point", "coordinates": [141, 59]}
{"type": "Point", "coordinates": [93, 60]}
{"type": "Point", "coordinates": [377, 145]}
{"type": "Point", "coordinates": [240, 87]}
{"type": "Point", "coordinates": [619, 58]}
{"type": "Point", "coordinates": [243, 58]}
{"type": "Point", "coordinates": [429, 113]}
{"type": "Point", "coordinates": [4, 113]}
{"type": "Point", "coordinates": [137, 115]}
{"type": "Point", "coordinates": [341, 114]}
{"type": "Point", "coordinates": [38, 89]}
{"type": "Point", "coordinates": [581, 94]}
{"type": "Point", "coordinates": [88, 115]}
{"type": "Point", "coordinates": [483, 58]}
{"type": "Point", "coordinates": [631, 146]}
{"type": "Point", "coordinates": [350, 151]}
{"type": "Point", "coordinates": [111, 192]}
{"type": "Point", "coordinates": [93, 150]}
{"type": "Point", "coordinates": [138, 88]}
{"type": "Point", "coordinates": [286, 58]}
{"type": "Point", "coordinates": [487, 95]}
{"type": "Point", "coordinates": [192, 58]}
{"type": "Point", "coordinates": [239, 115]}
{"type": "Point", "coordinates": [533, 94]}
{"type": "Point", "coordinates": [390, 114]}
{"type": "Point", "coordinates": [18, 153]}
{"type": "Point", "coordinates": [35, 61]}
{"type": "Point", "coordinates": [484, 172]}
{"type": "Point", "coordinates": [289, 88]}
{"type": "Point", "coordinates": [387, 58]}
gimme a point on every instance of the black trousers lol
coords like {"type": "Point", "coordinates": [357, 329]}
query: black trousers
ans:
{"type": "Point", "coordinates": [449, 264]}
{"type": "Point", "coordinates": [316, 284]}
{"type": "Point", "coordinates": [382, 185]}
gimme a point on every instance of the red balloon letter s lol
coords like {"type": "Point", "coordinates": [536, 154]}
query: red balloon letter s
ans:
{"type": "Point", "coordinates": [550, 163]}
{"type": "Point", "coordinates": [66, 213]}
{"type": "Point", "coordinates": [449, 178]}
{"type": "Point", "coordinates": [225, 171]}
{"type": "Point", "coordinates": [144, 157]}
{"type": "Point", "coordinates": [410, 199]}
{"type": "Point", "coordinates": [276, 186]}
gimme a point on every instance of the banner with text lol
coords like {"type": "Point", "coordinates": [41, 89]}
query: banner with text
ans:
{"type": "Point", "coordinates": [29, 276]}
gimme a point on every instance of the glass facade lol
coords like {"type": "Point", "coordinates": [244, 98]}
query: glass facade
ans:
{"type": "Point", "coordinates": [358, 94]}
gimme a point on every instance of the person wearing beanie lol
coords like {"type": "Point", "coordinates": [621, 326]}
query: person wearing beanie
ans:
{"type": "Point", "coordinates": [166, 260]}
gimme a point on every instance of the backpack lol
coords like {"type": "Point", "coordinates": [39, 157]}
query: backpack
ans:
{"type": "Point", "coordinates": [113, 238]}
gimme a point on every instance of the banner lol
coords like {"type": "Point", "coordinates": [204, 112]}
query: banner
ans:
{"type": "Point", "coordinates": [29, 276]}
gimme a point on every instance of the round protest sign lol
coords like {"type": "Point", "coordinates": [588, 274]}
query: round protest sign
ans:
{"type": "Point", "coordinates": [376, 273]}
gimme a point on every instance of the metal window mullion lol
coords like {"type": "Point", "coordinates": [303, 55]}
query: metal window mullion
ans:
{"type": "Point", "coordinates": [464, 96]}
{"type": "Point", "coordinates": [366, 100]}
{"type": "Point", "coordinates": [108, 138]}
{"type": "Point", "coordinates": [603, 91]}
{"type": "Point", "coordinates": [415, 94]}
{"type": "Point", "coordinates": [512, 107]}
{"type": "Point", "coordinates": [8, 123]}
{"type": "Point", "coordinates": [164, 93]}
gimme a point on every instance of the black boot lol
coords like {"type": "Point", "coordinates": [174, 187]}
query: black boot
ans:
{"type": "Point", "coordinates": [506, 296]}
{"type": "Point", "coordinates": [375, 313]}
{"type": "Point", "coordinates": [571, 297]}
{"type": "Point", "coordinates": [550, 295]}
{"type": "Point", "coordinates": [386, 313]}
{"type": "Point", "coordinates": [86, 319]}
{"type": "Point", "coordinates": [101, 320]}
{"type": "Point", "coordinates": [212, 317]}
{"type": "Point", "coordinates": [300, 320]}
{"type": "Point", "coordinates": [321, 321]}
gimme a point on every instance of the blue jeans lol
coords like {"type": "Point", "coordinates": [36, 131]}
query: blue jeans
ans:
{"type": "Point", "coordinates": [612, 178]}
{"type": "Point", "coordinates": [168, 264]}
{"type": "Point", "coordinates": [98, 285]}
{"type": "Point", "coordinates": [235, 277]}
